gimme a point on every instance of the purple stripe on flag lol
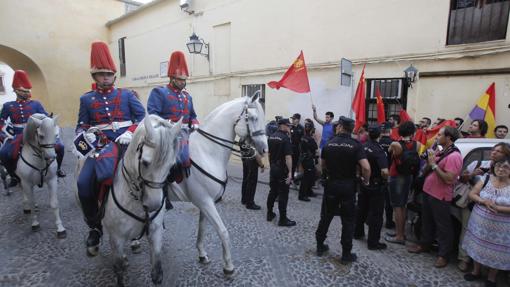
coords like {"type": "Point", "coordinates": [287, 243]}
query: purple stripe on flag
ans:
{"type": "Point", "coordinates": [477, 113]}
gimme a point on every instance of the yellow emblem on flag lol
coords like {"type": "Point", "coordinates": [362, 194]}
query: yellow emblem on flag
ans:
{"type": "Point", "coordinates": [298, 65]}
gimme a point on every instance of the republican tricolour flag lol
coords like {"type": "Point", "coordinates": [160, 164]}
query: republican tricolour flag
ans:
{"type": "Point", "coordinates": [485, 109]}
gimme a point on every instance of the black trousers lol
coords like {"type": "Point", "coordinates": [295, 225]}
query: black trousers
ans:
{"type": "Point", "coordinates": [305, 189]}
{"type": "Point", "coordinates": [339, 199]}
{"type": "Point", "coordinates": [370, 210]}
{"type": "Point", "coordinates": [388, 209]}
{"type": "Point", "coordinates": [295, 158]}
{"type": "Point", "coordinates": [250, 177]}
{"type": "Point", "coordinates": [436, 219]}
{"type": "Point", "coordinates": [278, 188]}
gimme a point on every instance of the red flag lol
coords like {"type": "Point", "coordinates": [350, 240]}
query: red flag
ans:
{"type": "Point", "coordinates": [381, 117]}
{"type": "Point", "coordinates": [404, 116]}
{"type": "Point", "coordinates": [358, 104]}
{"type": "Point", "coordinates": [296, 77]}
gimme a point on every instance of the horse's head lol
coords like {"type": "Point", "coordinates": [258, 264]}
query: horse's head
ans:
{"type": "Point", "coordinates": [250, 124]}
{"type": "Point", "coordinates": [156, 148]}
{"type": "Point", "coordinates": [41, 133]}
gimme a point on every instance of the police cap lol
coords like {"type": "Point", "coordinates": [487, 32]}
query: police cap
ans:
{"type": "Point", "coordinates": [284, 121]}
{"type": "Point", "coordinates": [296, 116]}
{"type": "Point", "coordinates": [346, 122]}
{"type": "Point", "coordinates": [374, 131]}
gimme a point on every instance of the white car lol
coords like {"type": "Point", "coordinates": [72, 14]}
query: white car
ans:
{"type": "Point", "coordinates": [476, 149]}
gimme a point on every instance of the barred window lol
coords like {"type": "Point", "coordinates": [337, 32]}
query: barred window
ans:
{"type": "Point", "coordinates": [393, 93]}
{"type": "Point", "coordinates": [249, 90]}
{"type": "Point", "coordinates": [473, 21]}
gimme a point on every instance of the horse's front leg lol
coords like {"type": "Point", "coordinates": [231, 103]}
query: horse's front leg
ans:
{"type": "Point", "coordinates": [52, 186]}
{"type": "Point", "coordinates": [202, 254]}
{"type": "Point", "coordinates": [29, 204]}
{"type": "Point", "coordinates": [155, 241]}
{"type": "Point", "coordinates": [119, 258]}
{"type": "Point", "coordinates": [209, 209]}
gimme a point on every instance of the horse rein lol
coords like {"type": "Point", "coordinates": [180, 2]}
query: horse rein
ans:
{"type": "Point", "coordinates": [38, 153]}
{"type": "Point", "coordinates": [139, 185]}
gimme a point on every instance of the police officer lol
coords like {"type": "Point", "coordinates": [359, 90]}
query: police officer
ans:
{"type": "Point", "coordinates": [385, 142]}
{"type": "Point", "coordinates": [308, 148]}
{"type": "Point", "coordinates": [252, 161]}
{"type": "Point", "coordinates": [339, 159]}
{"type": "Point", "coordinates": [280, 168]}
{"type": "Point", "coordinates": [371, 198]}
{"type": "Point", "coordinates": [296, 133]}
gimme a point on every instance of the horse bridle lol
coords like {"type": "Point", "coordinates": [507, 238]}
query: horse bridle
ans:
{"type": "Point", "coordinates": [38, 153]}
{"type": "Point", "coordinates": [139, 185]}
{"type": "Point", "coordinates": [242, 143]}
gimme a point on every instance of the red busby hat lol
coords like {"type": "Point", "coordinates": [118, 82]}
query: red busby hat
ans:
{"type": "Point", "coordinates": [177, 66]}
{"type": "Point", "coordinates": [100, 59]}
{"type": "Point", "coordinates": [21, 81]}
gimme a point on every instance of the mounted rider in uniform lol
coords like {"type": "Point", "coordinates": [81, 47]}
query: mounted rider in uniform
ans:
{"type": "Point", "coordinates": [115, 113]}
{"type": "Point", "coordinates": [173, 102]}
{"type": "Point", "coordinates": [19, 111]}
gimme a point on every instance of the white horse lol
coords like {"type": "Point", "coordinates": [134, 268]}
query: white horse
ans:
{"type": "Point", "coordinates": [210, 150]}
{"type": "Point", "coordinates": [133, 208]}
{"type": "Point", "coordinates": [37, 165]}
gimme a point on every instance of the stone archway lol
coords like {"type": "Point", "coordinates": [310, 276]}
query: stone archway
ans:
{"type": "Point", "coordinates": [19, 61]}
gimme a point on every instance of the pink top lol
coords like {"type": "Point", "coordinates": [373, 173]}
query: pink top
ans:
{"type": "Point", "coordinates": [436, 187]}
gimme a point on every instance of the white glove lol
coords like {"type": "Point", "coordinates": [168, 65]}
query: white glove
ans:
{"type": "Point", "coordinates": [124, 138]}
{"type": "Point", "coordinates": [90, 137]}
{"type": "Point", "coordinates": [194, 127]}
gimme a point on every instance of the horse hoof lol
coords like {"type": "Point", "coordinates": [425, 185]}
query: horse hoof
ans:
{"type": "Point", "coordinates": [204, 260]}
{"type": "Point", "coordinates": [92, 251]}
{"type": "Point", "coordinates": [61, 234]}
{"type": "Point", "coordinates": [229, 272]}
{"type": "Point", "coordinates": [136, 248]}
{"type": "Point", "coordinates": [36, 227]}
{"type": "Point", "coordinates": [157, 274]}
{"type": "Point", "coordinates": [27, 211]}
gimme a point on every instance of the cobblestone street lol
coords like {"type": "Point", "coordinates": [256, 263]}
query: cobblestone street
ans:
{"type": "Point", "coordinates": [264, 254]}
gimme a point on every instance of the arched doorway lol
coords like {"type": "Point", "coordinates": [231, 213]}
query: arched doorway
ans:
{"type": "Point", "coordinates": [12, 59]}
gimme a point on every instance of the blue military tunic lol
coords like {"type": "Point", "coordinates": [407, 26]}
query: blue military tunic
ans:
{"type": "Point", "coordinates": [19, 112]}
{"type": "Point", "coordinates": [104, 108]}
{"type": "Point", "coordinates": [172, 104]}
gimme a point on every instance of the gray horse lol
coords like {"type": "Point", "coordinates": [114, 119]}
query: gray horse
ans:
{"type": "Point", "coordinates": [37, 165]}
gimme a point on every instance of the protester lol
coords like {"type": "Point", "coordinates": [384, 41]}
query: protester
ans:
{"type": "Point", "coordinates": [478, 129]}
{"type": "Point", "coordinates": [501, 131]}
{"type": "Point", "coordinates": [394, 121]}
{"type": "Point", "coordinates": [487, 239]}
{"type": "Point", "coordinates": [339, 159]}
{"type": "Point", "coordinates": [443, 168]}
{"type": "Point", "coordinates": [327, 126]}
{"type": "Point", "coordinates": [424, 123]}
{"type": "Point", "coordinates": [473, 170]}
{"type": "Point", "coordinates": [371, 198]}
{"type": "Point", "coordinates": [401, 176]}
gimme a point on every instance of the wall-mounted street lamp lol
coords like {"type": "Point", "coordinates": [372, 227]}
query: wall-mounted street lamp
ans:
{"type": "Point", "coordinates": [410, 74]}
{"type": "Point", "coordinates": [196, 44]}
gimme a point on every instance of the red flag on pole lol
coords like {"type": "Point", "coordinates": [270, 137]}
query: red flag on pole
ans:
{"type": "Point", "coordinates": [404, 116]}
{"type": "Point", "coordinates": [296, 77]}
{"type": "Point", "coordinates": [381, 117]}
{"type": "Point", "coordinates": [358, 104]}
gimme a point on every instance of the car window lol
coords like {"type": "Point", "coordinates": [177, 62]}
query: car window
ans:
{"type": "Point", "coordinates": [477, 154]}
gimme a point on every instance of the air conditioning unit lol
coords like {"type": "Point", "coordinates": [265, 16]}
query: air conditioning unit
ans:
{"type": "Point", "coordinates": [185, 4]}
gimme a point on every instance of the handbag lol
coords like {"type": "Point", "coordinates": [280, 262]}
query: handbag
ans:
{"type": "Point", "coordinates": [461, 195]}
